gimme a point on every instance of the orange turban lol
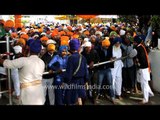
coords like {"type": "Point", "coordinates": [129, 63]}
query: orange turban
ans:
{"type": "Point", "coordinates": [64, 38]}
{"type": "Point", "coordinates": [24, 36]}
{"type": "Point", "coordinates": [69, 28]}
{"type": "Point", "coordinates": [14, 35]}
{"type": "Point", "coordinates": [54, 33]}
{"type": "Point", "coordinates": [134, 34]}
{"type": "Point", "coordinates": [56, 30]}
{"type": "Point", "coordinates": [44, 38]}
{"type": "Point", "coordinates": [69, 33]}
{"type": "Point", "coordinates": [106, 42]}
{"type": "Point", "coordinates": [51, 47]}
{"type": "Point", "coordinates": [86, 32]}
{"type": "Point", "coordinates": [75, 36]}
{"type": "Point", "coordinates": [62, 33]}
{"type": "Point", "coordinates": [40, 30]}
{"type": "Point", "coordinates": [113, 28]}
{"type": "Point", "coordinates": [64, 42]}
{"type": "Point", "coordinates": [23, 30]}
{"type": "Point", "coordinates": [21, 41]}
{"type": "Point", "coordinates": [9, 23]}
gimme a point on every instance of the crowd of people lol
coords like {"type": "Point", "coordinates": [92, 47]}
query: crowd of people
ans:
{"type": "Point", "coordinates": [67, 54]}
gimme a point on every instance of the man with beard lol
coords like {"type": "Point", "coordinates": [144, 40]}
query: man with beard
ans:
{"type": "Point", "coordinates": [92, 58]}
{"type": "Point", "coordinates": [30, 74]}
{"type": "Point", "coordinates": [143, 73]}
{"type": "Point", "coordinates": [76, 75]}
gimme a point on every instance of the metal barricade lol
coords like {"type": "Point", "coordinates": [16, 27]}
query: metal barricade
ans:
{"type": "Point", "coordinates": [8, 72]}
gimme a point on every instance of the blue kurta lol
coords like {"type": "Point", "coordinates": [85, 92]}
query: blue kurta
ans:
{"type": "Point", "coordinates": [58, 63]}
{"type": "Point", "coordinates": [76, 83]}
{"type": "Point", "coordinates": [55, 64]}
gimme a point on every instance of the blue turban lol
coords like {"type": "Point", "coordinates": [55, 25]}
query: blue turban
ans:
{"type": "Point", "coordinates": [117, 39]}
{"type": "Point", "coordinates": [35, 46]}
{"type": "Point", "coordinates": [74, 44]}
{"type": "Point", "coordinates": [29, 41]}
{"type": "Point", "coordinates": [61, 48]}
{"type": "Point", "coordinates": [139, 38]}
{"type": "Point", "coordinates": [143, 37]}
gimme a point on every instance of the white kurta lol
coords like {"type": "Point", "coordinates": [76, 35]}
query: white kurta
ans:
{"type": "Point", "coordinates": [143, 76]}
{"type": "Point", "coordinates": [117, 71]}
{"type": "Point", "coordinates": [30, 69]}
{"type": "Point", "coordinates": [16, 81]}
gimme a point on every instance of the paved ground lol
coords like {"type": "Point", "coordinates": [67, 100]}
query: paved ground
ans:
{"type": "Point", "coordinates": [130, 99]}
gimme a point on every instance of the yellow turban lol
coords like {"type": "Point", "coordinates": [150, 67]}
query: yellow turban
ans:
{"type": "Point", "coordinates": [51, 47]}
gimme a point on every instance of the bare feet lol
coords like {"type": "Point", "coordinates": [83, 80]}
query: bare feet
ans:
{"type": "Point", "coordinates": [17, 97]}
{"type": "Point", "coordinates": [143, 102]}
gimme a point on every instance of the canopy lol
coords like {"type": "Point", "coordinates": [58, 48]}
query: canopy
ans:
{"type": "Point", "coordinates": [107, 16]}
{"type": "Point", "coordinates": [87, 16]}
{"type": "Point", "coordinates": [61, 17]}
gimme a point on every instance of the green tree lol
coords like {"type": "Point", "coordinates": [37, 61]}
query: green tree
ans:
{"type": "Point", "coordinates": [131, 19]}
{"type": "Point", "coordinates": [155, 22]}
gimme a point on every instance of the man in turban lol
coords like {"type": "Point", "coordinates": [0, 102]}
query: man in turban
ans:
{"type": "Point", "coordinates": [92, 58]}
{"type": "Point", "coordinates": [118, 65]}
{"type": "Point", "coordinates": [5, 27]}
{"type": "Point", "coordinates": [58, 63]}
{"type": "Point", "coordinates": [30, 73]}
{"type": "Point", "coordinates": [76, 75]}
{"type": "Point", "coordinates": [129, 80]}
{"type": "Point", "coordinates": [104, 71]}
{"type": "Point", "coordinates": [48, 78]}
{"type": "Point", "coordinates": [143, 73]}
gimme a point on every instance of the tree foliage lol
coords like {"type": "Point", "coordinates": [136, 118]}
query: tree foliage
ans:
{"type": "Point", "coordinates": [155, 22]}
{"type": "Point", "coordinates": [131, 19]}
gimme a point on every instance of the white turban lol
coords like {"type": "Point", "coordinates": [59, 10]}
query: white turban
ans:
{"type": "Point", "coordinates": [87, 44]}
{"type": "Point", "coordinates": [50, 41]}
{"type": "Point", "coordinates": [122, 32]}
{"type": "Point", "coordinates": [17, 49]}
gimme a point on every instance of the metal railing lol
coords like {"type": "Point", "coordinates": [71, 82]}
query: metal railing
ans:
{"type": "Point", "coordinates": [8, 71]}
{"type": "Point", "coordinates": [97, 64]}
